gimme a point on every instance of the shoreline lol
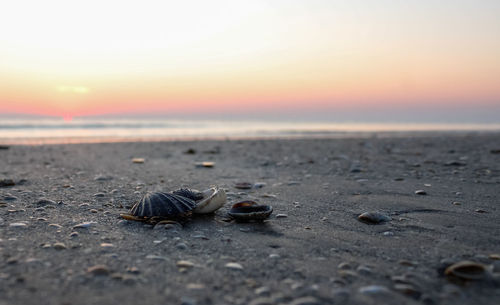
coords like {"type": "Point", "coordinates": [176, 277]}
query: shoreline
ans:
{"type": "Point", "coordinates": [313, 135]}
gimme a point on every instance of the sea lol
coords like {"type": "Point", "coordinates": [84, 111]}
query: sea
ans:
{"type": "Point", "coordinates": [33, 131]}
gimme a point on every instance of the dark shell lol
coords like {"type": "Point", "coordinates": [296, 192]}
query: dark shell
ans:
{"type": "Point", "coordinates": [165, 205]}
{"type": "Point", "coordinates": [250, 210]}
{"type": "Point", "coordinates": [466, 270]}
{"type": "Point", "coordinates": [189, 193]}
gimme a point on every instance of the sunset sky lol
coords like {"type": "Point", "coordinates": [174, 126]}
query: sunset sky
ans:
{"type": "Point", "coordinates": [76, 58]}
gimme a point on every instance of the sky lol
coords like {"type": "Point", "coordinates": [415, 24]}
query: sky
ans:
{"type": "Point", "coordinates": [371, 58]}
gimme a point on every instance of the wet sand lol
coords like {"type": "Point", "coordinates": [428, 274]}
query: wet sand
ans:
{"type": "Point", "coordinates": [316, 252]}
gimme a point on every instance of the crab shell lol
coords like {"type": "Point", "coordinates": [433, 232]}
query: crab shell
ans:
{"type": "Point", "coordinates": [213, 199]}
{"type": "Point", "coordinates": [160, 205]}
{"type": "Point", "coordinates": [250, 210]}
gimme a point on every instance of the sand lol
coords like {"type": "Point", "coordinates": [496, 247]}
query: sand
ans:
{"type": "Point", "coordinates": [315, 252]}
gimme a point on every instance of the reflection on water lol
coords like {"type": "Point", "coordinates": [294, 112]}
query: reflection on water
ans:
{"type": "Point", "coordinates": [109, 130]}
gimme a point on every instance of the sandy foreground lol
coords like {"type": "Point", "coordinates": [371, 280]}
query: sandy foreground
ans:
{"type": "Point", "coordinates": [315, 252]}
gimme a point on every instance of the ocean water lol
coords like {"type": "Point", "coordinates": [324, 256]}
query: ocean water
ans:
{"type": "Point", "coordinates": [43, 131]}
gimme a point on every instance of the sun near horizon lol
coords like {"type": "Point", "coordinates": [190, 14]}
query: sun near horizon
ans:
{"type": "Point", "coordinates": [124, 57]}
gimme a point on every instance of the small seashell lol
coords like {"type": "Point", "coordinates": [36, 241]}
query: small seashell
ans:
{"type": "Point", "coordinates": [84, 225]}
{"type": "Point", "coordinates": [420, 192]}
{"type": "Point", "coordinates": [234, 266]}
{"type": "Point", "coordinates": [138, 160]}
{"type": "Point", "coordinates": [98, 270]}
{"type": "Point", "coordinates": [373, 217]}
{"type": "Point", "coordinates": [467, 270]}
{"type": "Point", "coordinates": [250, 210]}
{"type": "Point", "coordinates": [184, 264]}
{"type": "Point", "coordinates": [207, 164]}
{"type": "Point", "coordinates": [213, 199]}
{"type": "Point", "coordinates": [59, 246]}
{"type": "Point", "coordinates": [18, 225]}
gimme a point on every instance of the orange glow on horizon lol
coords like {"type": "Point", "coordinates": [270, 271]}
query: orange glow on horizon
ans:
{"type": "Point", "coordinates": [232, 56]}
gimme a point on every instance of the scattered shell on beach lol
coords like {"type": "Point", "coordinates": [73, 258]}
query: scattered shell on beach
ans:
{"type": "Point", "coordinates": [138, 160]}
{"type": "Point", "coordinates": [84, 225]}
{"type": "Point", "coordinates": [208, 164]}
{"type": "Point", "coordinates": [184, 264]}
{"type": "Point", "coordinates": [189, 193]}
{"type": "Point", "coordinates": [157, 206]}
{"type": "Point", "coordinates": [59, 246]}
{"type": "Point", "coordinates": [373, 217]}
{"type": "Point", "coordinates": [98, 270]}
{"type": "Point", "coordinates": [234, 266]}
{"type": "Point", "coordinates": [250, 210]}
{"type": "Point", "coordinates": [18, 225]}
{"type": "Point", "coordinates": [467, 270]}
{"type": "Point", "coordinates": [213, 199]}
{"type": "Point", "coordinates": [243, 185]}
{"type": "Point", "coordinates": [420, 192]}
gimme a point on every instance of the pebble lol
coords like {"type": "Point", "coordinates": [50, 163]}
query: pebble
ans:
{"type": "Point", "coordinates": [306, 301]}
{"type": "Point", "coordinates": [494, 256]}
{"type": "Point", "coordinates": [9, 197]}
{"type": "Point", "coordinates": [234, 266]}
{"type": "Point", "coordinates": [18, 225]}
{"type": "Point", "coordinates": [344, 266]}
{"type": "Point", "coordinates": [373, 217]}
{"type": "Point", "coordinates": [156, 257]}
{"type": "Point", "coordinates": [43, 202]}
{"type": "Point", "coordinates": [85, 225]}
{"type": "Point", "coordinates": [138, 160]}
{"type": "Point", "coordinates": [243, 185]}
{"type": "Point", "coordinates": [259, 185]}
{"type": "Point", "coordinates": [73, 234]}
{"type": "Point", "coordinates": [98, 270]}
{"type": "Point", "coordinates": [480, 211]}
{"type": "Point", "coordinates": [99, 194]}
{"type": "Point", "coordinates": [456, 203]}
{"type": "Point", "coordinates": [262, 290]}
{"type": "Point", "coordinates": [190, 151]}
{"type": "Point", "coordinates": [274, 255]}
{"type": "Point", "coordinates": [184, 264]}
{"type": "Point", "coordinates": [281, 216]}
{"type": "Point", "coordinates": [455, 163]}
{"type": "Point", "coordinates": [373, 290]}
{"type": "Point", "coordinates": [408, 290]}
{"type": "Point", "coordinates": [59, 246]}
{"type": "Point", "coordinates": [133, 270]}
{"type": "Point", "coordinates": [420, 192]}
{"type": "Point", "coordinates": [364, 270]}
{"type": "Point", "coordinates": [103, 178]}
{"type": "Point", "coordinates": [7, 182]}
{"type": "Point", "coordinates": [93, 211]}
{"type": "Point", "coordinates": [55, 225]}
{"type": "Point", "coordinates": [262, 301]}
{"type": "Point", "coordinates": [195, 286]}
{"type": "Point", "coordinates": [83, 205]}
{"type": "Point", "coordinates": [181, 246]}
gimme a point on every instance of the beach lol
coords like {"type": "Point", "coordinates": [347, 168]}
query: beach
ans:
{"type": "Point", "coordinates": [62, 240]}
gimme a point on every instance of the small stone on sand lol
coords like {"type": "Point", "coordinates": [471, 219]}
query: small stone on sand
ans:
{"type": "Point", "coordinates": [373, 217]}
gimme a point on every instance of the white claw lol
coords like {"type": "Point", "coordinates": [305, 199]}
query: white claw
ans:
{"type": "Point", "coordinates": [213, 199]}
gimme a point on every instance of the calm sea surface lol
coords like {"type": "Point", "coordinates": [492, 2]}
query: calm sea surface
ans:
{"type": "Point", "coordinates": [40, 131]}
